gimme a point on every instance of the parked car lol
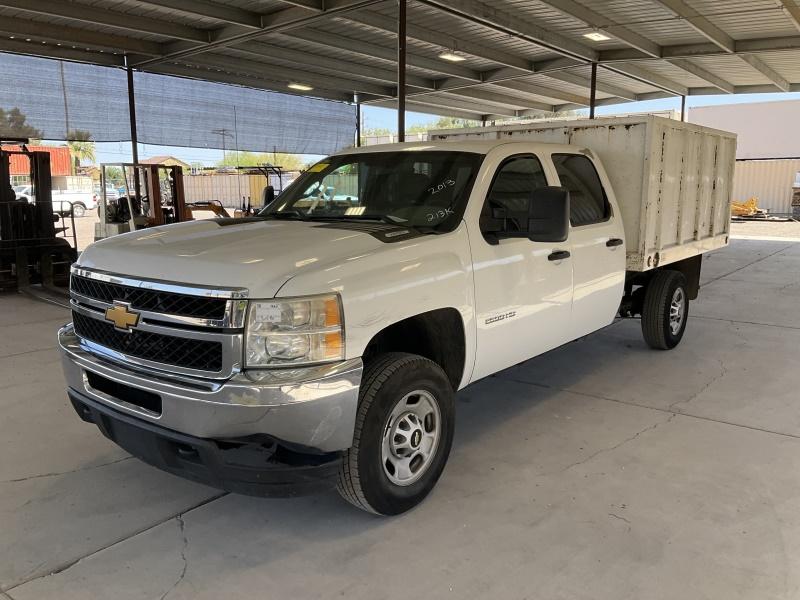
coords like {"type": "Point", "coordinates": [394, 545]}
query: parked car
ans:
{"type": "Point", "coordinates": [321, 342]}
{"type": "Point", "coordinates": [23, 192]}
{"type": "Point", "coordinates": [80, 201]}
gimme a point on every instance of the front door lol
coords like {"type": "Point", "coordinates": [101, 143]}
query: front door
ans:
{"type": "Point", "coordinates": [523, 296]}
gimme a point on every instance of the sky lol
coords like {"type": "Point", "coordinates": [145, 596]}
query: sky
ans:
{"type": "Point", "coordinates": [374, 117]}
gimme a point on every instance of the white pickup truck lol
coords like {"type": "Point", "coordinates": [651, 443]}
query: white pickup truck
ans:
{"type": "Point", "coordinates": [321, 342]}
{"type": "Point", "coordinates": [62, 200]}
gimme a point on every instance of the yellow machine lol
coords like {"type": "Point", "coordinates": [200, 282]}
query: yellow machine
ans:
{"type": "Point", "coordinates": [747, 209]}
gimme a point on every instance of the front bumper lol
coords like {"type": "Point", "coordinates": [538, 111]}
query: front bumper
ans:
{"type": "Point", "coordinates": [252, 466]}
{"type": "Point", "coordinates": [310, 410]}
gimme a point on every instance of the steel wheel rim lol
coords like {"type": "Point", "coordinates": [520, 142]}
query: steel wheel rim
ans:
{"type": "Point", "coordinates": [411, 437]}
{"type": "Point", "coordinates": [677, 310]}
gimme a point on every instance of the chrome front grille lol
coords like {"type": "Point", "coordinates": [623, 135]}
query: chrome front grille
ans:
{"type": "Point", "coordinates": [151, 300]}
{"type": "Point", "coordinates": [182, 329]}
{"type": "Point", "coordinates": [204, 355]}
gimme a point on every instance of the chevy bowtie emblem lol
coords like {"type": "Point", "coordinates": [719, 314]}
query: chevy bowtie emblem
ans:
{"type": "Point", "coordinates": [121, 315]}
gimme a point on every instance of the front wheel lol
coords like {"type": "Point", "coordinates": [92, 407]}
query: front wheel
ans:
{"type": "Point", "coordinates": [404, 430]}
{"type": "Point", "coordinates": [78, 210]}
{"type": "Point", "coordinates": [665, 310]}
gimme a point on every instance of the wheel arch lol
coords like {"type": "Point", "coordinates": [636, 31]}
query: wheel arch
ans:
{"type": "Point", "coordinates": [439, 335]}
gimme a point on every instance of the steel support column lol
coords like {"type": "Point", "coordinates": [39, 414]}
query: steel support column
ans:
{"type": "Point", "coordinates": [357, 100]}
{"type": "Point", "coordinates": [683, 108]}
{"type": "Point", "coordinates": [593, 91]}
{"type": "Point", "coordinates": [401, 70]}
{"type": "Point", "coordinates": [132, 113]}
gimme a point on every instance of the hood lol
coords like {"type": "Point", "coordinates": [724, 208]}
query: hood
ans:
{"type": "Point", "coordinates": [257, 254]}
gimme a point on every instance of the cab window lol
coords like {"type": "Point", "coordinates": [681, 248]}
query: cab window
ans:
{"type": "Point", "coordinates": [588, 202]}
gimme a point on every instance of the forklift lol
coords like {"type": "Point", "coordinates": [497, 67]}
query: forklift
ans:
{"type": "Point", "coordinates": [152, 195]}
{"type": "Point", "coordinates": [34, 248]}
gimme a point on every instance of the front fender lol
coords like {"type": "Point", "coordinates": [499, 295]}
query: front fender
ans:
{"type": "Point", "coordinates": [398, 281]}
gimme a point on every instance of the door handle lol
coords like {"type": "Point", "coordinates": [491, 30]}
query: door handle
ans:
{"type": "Point", "coordinates": [614, 242]}
{"type": "Point", "coordinates": [558, 255]}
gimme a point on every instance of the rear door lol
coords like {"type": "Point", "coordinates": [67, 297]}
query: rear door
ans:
{"type": "Point", "coordinates": [597, 244]}
{"type": "Point", "coordinates": [523, 297]}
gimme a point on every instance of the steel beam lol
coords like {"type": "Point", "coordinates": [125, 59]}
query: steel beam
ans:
{"type": "Point", "coordinates": [429, 109]}
{"type": "Point", "coordinates": [645, 76]}
{"type": "Point", "coordinates": [767, 71]}
{"type": "Point", "coordinates": [257, 82]}
{"type": "Point", "coordinates": [498, 20]}
{"type": "Point", "coordinates": [211, 10]}
{"type": "Point", "coordinates": [323, 39]}
{"type": "Point", "coordinates": [541, 90]}
{"type": "Point", "coordinates": [603, 23]}
{"type": "Point", "coordinates": [401, 70]}
{"type": "Point", "coordinates": [792, 11]}
{"type": "Point", "coordinates": [475, 107]}
{"type": "Point", "coordinates": [317, 5]}
{"type": "Point", "coordinates": [606, 88]}
{"type": "Point", "coordinates": [593, 91]}
{"type": "Point", "coordinates": [477, 12]}
{"type": "Point", "coordinates": [700, 24]}
{"type": "Point", "coordinates": [132, 114]}
{"type": "Point", "coordinates": [429, 36]}
{"type": "Point", "coordinates": [704, 74]}
{"type": "Point", "coordinates": [274, 72]}
{"type": "Point", "coordinates": [634, 40]}
{"type": "Point", "coordinates": [60, 52]}
{"type": "Point", "coordinates": [272, 23]}
{"type": "Point", "coordinates": [759, 45]}
{"type": "Point", "coordinates": [353, 69]}
{"type": "Point", "coordinates": [75, 37]}
{"type": "Point", "coordinates": [100, 16]}
{"type": "Point", "coordinates": [357, 102]}
{"type": "Point", "coordinates": [502, 100]}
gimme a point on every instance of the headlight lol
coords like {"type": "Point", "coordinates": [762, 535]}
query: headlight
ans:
{"type": "Point", "coordinates": [294, 331]}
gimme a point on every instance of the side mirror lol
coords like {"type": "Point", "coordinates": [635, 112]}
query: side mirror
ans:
{"type": "Point", "coordinates": [548, 215]}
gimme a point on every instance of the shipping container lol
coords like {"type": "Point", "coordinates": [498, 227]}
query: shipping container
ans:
{"type": "Point", "coordinates": [672, 180]}
{"type": "Point", "coordinates": [771, 182]}
{"type": "Point", "coordinates": [60, 160]}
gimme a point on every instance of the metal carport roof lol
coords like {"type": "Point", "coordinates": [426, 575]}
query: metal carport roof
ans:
{"type": "Point", "coordinates": [520, 57]}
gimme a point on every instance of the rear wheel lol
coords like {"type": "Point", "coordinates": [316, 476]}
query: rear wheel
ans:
{"type": "Point", "coordinates": [404, 430]}
{"type": "Point", "coordinates": [78, 209]}
{"type": "Point", "coordinates": [665, 310]}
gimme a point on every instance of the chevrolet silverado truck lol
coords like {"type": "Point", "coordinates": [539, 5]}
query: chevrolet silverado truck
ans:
{"type": "Point", "coordinates": [321, 342]}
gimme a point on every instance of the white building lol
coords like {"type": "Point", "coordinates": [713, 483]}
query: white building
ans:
{"type": "Point", "coordinates": [768, 148]}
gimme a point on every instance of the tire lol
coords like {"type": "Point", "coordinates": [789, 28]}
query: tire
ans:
{"type": "Point", "coordinates": [665, 310]}
{"type": "Point", "coordinates": [78, 210]}
{"type": "Point", "coordinates": [386, 404]}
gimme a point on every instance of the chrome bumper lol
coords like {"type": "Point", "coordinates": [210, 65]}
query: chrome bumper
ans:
{"type": "Point", "coordinates": [313, 407]}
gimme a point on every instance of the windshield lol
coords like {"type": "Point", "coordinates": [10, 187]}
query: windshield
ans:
{"type": "Point", "coordinates": [424, 189]}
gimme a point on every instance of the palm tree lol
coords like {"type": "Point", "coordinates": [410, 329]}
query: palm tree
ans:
{"type": "Point", "coordinates": [80, 147]}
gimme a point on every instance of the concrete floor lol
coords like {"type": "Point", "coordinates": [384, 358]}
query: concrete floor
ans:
{"type": "Point", "coordinates": [602, 470]}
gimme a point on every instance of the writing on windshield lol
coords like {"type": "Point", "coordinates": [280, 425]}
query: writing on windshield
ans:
{"type": "Point", "coordinates": [410, 188]}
